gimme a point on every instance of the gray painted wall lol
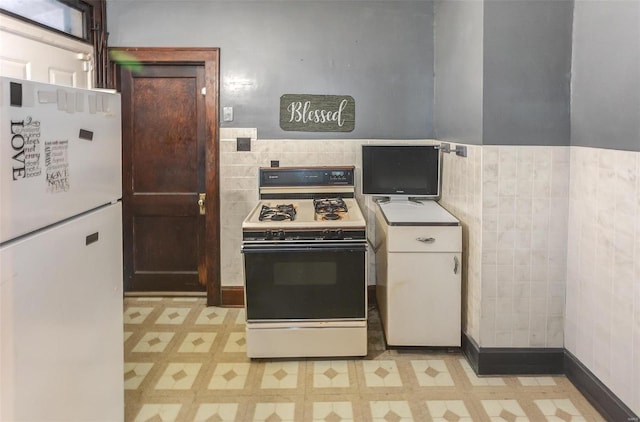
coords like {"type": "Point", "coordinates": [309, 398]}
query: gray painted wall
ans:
{"type": "Point", "coordinates": [382, 53]}
{"type": "Point", "coordinates": [503, 71]}
{"type": "Point", "coordinates": [379, 52]}
{"type": "Point", "coordinates": [527, 72]}
{"type": "Point", "coordinates": [458, 37]}
{"type": "Point", "coordinates": [605, 109]}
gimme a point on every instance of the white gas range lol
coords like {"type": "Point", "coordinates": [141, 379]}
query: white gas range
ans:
{"type": "Point", "coordinates": [304, 251]}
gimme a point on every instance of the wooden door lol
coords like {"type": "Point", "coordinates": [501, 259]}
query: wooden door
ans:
{"type": "Point", "coordinates": [169, 162]}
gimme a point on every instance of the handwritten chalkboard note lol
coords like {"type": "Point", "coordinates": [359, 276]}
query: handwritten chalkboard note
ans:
{"type": "Point", "coordinates": [317, 113]}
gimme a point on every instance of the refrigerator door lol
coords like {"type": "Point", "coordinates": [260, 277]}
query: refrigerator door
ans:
{"type": "Point", "coordinates": [61, 344]}
{"type": "Point", "coordinates": [60, 154]}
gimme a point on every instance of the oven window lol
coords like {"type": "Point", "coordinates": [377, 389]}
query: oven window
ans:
{"type": "Point", "coordinates": [305, 273]}
{"type": "Point", "coordinates": [305, 284]}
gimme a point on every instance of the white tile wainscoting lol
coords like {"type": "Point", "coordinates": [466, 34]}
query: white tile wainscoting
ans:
{"type": "Point", "coordinates": [462, 196]}
{"type": "Point", "coordinates": [524, 236]}
{"type": "Point", "coordinates": [513, 202]}
{"type": "Point", "coordinates": [602, 327]}
{"type": "Point", "coordinates": [558, 235]}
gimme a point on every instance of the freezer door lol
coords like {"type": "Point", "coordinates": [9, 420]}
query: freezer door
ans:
{"type": "Point", "coordinates": [61, 344]}
{"type": "Point", "coordinates": [60, 154]}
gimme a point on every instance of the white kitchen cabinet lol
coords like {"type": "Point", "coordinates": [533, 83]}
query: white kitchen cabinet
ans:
{"type": "Point", "coordinates": [418, 274]}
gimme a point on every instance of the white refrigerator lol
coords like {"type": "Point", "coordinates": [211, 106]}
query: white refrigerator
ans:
{"type": "Point", "coordinates": [61, 352]}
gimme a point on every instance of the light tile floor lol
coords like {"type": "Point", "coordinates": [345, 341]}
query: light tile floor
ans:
{"type": "Point", "coordinates": [187, 362]}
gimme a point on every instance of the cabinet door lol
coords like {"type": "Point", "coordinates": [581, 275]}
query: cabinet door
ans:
{"type": "Point", "coordinates": [424, 299]}
{"type": "Point", "coordinates": [38, 54]}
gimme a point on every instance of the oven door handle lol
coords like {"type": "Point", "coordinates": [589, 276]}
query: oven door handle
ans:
{"type": "Point", "coordinates": [317, 247]}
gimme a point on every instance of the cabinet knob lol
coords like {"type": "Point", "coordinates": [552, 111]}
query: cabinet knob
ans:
{"type": "Point", "coordinates": [426, 239]}
{"type": "Point", "coordinates": [456, 264]}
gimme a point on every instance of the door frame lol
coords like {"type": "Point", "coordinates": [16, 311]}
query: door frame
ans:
{"type": "Point", "coordinates": [210, 58]}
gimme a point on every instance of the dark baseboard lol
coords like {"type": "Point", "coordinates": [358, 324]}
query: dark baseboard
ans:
{"type": "Point", "coordinates": [471, 351]}
{"type": "Point", "coordinates": [607, 403]}
{"type": "Point", "coordinates": [533, 361]}
{"type": "Point", "coordinates": [511, 360]}
{"type": "Point", "coordinates": [232, 296]}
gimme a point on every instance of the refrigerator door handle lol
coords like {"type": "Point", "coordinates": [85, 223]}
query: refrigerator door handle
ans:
{"type": "Point", "coordinates": [92, 238]}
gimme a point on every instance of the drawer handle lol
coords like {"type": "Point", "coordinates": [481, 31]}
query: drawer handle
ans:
{"type": "Point", "coordinates": [456, 263]}
{"type": "Point", "coordinates": [426, 239]}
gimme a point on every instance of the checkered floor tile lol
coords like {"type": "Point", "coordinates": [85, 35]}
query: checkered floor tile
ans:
{"type": "Point", "coordinates": [185, 361]}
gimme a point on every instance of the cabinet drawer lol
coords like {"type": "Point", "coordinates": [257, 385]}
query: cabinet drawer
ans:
{"type": "Point", "coordinates": [424, 239]}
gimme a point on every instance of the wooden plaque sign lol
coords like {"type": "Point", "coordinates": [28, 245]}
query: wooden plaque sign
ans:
{"type": "Point", "coordinates": [317, 113]}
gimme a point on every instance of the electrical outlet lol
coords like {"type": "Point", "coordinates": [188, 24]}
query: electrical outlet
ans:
{"type": "Point", "coordinates": [243, 144]}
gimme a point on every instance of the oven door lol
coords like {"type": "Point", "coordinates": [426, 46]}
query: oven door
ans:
{"type": "Point", "coordinates": [313, 281]}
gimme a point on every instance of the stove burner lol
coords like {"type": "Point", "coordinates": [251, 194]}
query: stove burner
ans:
{"type": "Point", "coordinates": [331, 216]}
{"type": "Point", "coordinates": [277, 212]}
{"type": "Point", "coordinates": [329, 205]}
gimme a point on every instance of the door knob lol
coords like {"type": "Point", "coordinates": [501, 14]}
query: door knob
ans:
{"type": "Point", "coordinates": [201, 204]}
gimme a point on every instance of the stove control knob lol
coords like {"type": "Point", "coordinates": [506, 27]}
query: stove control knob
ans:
{"type": "Point", "coordinates": [280, 234]}
{"type": "Point", "coordinates": [332, 234]}
{"type": "Point", "coordinates": [268, 235]}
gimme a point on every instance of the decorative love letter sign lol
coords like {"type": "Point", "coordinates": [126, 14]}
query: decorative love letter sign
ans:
{"type": "Point", "coordinates": [317, 113]}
